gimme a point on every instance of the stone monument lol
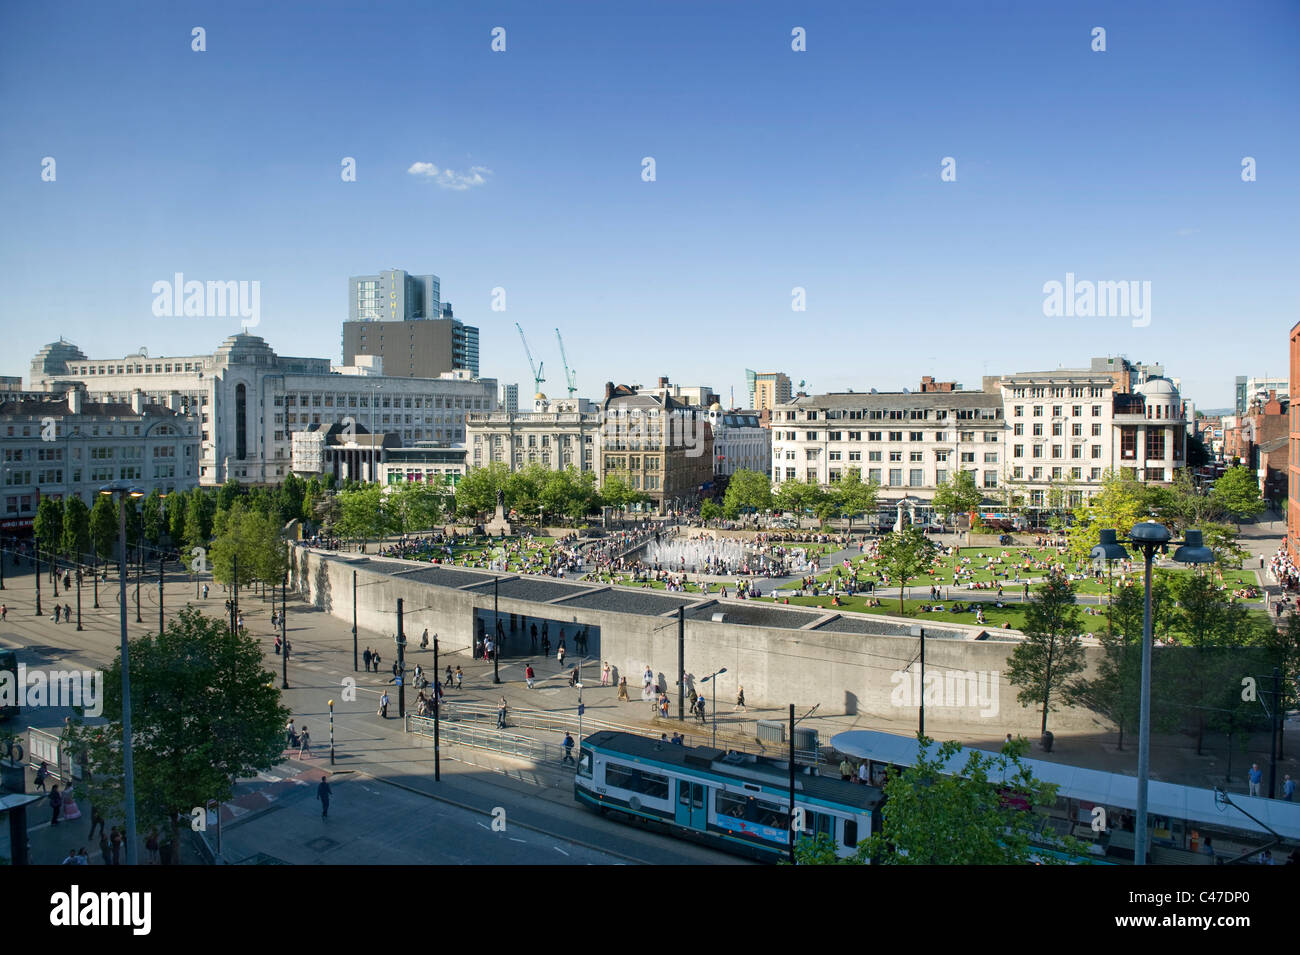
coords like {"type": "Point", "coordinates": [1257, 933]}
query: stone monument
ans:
{"type": "Point", "coordinates": [499, 526]}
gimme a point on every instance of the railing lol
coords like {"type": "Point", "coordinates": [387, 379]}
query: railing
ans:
{"type": "Point", "coordinates": [478, 736]}
{"type": "Point", "coordinates": [482, 713]}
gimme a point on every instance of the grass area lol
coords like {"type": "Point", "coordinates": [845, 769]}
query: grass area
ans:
{"type": "Point", "coordinates": [1012, 614]}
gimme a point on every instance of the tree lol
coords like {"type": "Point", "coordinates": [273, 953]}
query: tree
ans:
{"type": "Point", "coordinates": [615, 491]}
{"type": "Point", "coordinates": [1121, 503]}
{"type": "Point", "coordinates": [76, 528]}
{"type": "Point", "coordinates": [747, 490]}
{"type": "Point", "coordinates": [151, 517]}
{"type": "Point", "coordinates": [48, 525]}
{"type": "Point", "coordinates": [228, 493]}
{"type": "Point", "coordinates": [416, 507]}
{"type": "Point", "coordinates": [1114, 692]}
{"type": "Point", "coordinates": [1198, 455]}
{"type": "Point", "coordinates": [1052, 652]}
{"type": "Point", "coordinates": [523, 489]}
{"type": "Point", "coordinates": [362, 514]}
{"type": "Point", "coordinates": [476, 494]}
{"type": "Point", "coordinates": [204, 712]}
{"type": "Point", "coordinates": [798, 497]}
{"type": "Point", "coordinates": [711, 510]}
{"type": "Point", "coordinates": [984, 816]}
{"type": "Point", "coordinates": [903, 555]}
{"type": "Point", "coordinates": [957, 495]}
{"type": "Point", "coordinates": [103, 525]}
{"type": "Point", "coordinates": [1214, 630]}
{"type": "Point", "coordinates": [232, 543]}
{"type": "Point", "coordinates": [855, 496]}
{"type": "Point", "coordinates": [1237, 492]}
{"type": "Point", "coordinates": [177, 505]}
{"type": "Point", "coordinates": [199, 513]}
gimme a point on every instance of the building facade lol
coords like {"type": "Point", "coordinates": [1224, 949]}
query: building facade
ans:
{"type": "Point", "coordinates": [740, 442]}
{"type": "Point", "coordinates": [557, 434]}
{"type": "Point", "coordinates": [63, 446]}
{"type": "Point", "coordinates": [250, 400]}
{"type": "Point", "coordinates": [1249, 389]}
{"type": "Point", "coordinates": [658, 444]}
{"type": "Point", "coordinates": [1293, 453]}
{"type": "Point", "coordinates": [423, 464]}
{"type": "Point", "coordinates": [767, 389]}
{"type": "Point", "coordinates": [509, 399]}
{"type": "Point", "coordinates": [393, 296]}
{"type": "Point", "coordinates": [908, 442]}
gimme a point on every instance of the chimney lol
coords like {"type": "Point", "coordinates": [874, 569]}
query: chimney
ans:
{"type": "Point", "coordinates": [137, 401]}
{"type": "Point", "coordinates": [609, 390]}
{"type": "Point", "coordinates": [174, 401]}
{"type": "Point", "coordinates": [74, 400]}
{"type": "Point", "coordinates": [663, 381]}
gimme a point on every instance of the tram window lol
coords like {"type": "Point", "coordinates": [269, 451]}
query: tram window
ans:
{"type": "Point", "coordinates": [850, 832]}
{"type": "Point", "coordinates": [752, 810]}
{"type": "Point", "coordinates": [637, 781]}
{"type": "Point", "coordinates": [584, 764]}
{"type": "Point", "coordinates": [820, 823]}
{"type": "Point", "coordinates": [697, 795]}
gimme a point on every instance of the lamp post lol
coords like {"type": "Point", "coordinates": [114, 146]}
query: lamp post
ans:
{"type": "Point", "coordinates": [711, 679]}
{"type": "Point", "coordinates": [124, 492]}
{"type": "Point", "coordinates": [496, 618]}
{"type": "Point", "coordinates": [331, 732]}
{"type": "Point", "coordinates": [437, 697]}
{"type": "Point", "coordinates": [284, 631]}
{"type": "Point", "coordinates": [79, 627]}
{"type": "Point", "coordinates": [919, 631]}
{"type": "Point", "coordinates": [36, 555]}
{"type": "Point", "coordinates": [1148, 537]}
{"type": "Point", "coordinates": [401, 663]}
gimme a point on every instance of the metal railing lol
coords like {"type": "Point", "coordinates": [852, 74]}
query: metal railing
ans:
{"type": "Point", "coordinates": [470, 733]}
{"type": "Point", "coordinates": [454, 713]}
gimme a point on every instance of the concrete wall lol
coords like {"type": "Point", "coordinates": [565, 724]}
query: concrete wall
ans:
{"type": "Point", "coordinates": [846, 673]}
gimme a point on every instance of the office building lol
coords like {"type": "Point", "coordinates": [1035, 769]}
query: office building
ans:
{"type": "Point", "coordinates": [740, 442]}
{"type": "Point", "coordinates": [767, 389]}
{"type": "Point", "coordinates": [509, 399]}
{"type": "Point", "coordinates": [556, 434]}
{"type": "Point", "coordinates": [660, 445]}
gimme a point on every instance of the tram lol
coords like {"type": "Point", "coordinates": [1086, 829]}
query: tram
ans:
{"type": "Point", "coordinates": [736, 802]}
{"type": "Point", "coordinates": [1187, 825]}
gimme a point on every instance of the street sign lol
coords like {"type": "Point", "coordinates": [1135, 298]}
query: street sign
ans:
{"type": "Point", "coordinates": [398, 681]}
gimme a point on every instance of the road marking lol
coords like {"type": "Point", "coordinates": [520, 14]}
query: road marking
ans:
{"type": "Point", "coordinates": [559, 850]}
{"type": "Point", "coordinates": [524, 841]}
{"type": "Point", "coordinates": [484, 826]}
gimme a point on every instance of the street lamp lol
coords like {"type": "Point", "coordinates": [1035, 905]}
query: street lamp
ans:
{"type": "Point", "coordinates": [331, 732]}
{"type": "Point", "coordinates": [1148, 537]}
{"type": "Point", "coordinates": [919, 631]}
{"type": "Point", "coordinates": [123, 492]}
{"type": "Point", "coordinates": [707, 679]}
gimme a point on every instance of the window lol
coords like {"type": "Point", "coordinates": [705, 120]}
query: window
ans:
{"type": "Point", "coordinates": [1056, 429]}
{"type": "Point", "coordinates": [874, 435]}
{"type": "Point", "coordinates": [755, 811]}
{"type": "Point", "coordinates": [895, 477]}
{"type": "Point", "coordinates": [1038, 431]}
{"type": "Point", "coordinates": [1077, 410]}
{"type": "Point", "coordinates": [990, 457]}
{"type": "Point", "coordinates": [873, 475]}
{"type": "Point", "coordinates": [636, 780]}
{"type": "Point", "coordinates": [941, 476]}
{"type": "Point", "coordinates": [916, 436]}
{"type": "Point", "coordinates": [1018, 451]}
{"type": "Point", "coordinates": [1056, 451]}
{"type": "Point", "coordinates": [1017, 429]}
{"type": "Point", "coordinates": [896, 455]}
{"type": "Point", "coordinates": [1038, 411]}
{"type": "Point", "coordinates": [1096, 411]}
{"type": "Point", "coordinates": [1096, 430]}
{"type": "Point", "coordinates": [895, 436]}
{"type": "Point", "coordinates": [1096, 450]}
{"type": "Point", "coordinates": [1056, 409]}
{"type": "Point", "coordinates": [1038, 451]}
{"type": "Point", "coordinates": [916, 456]}
{"type": "Point", "coordinates": [941, 455]}
{"type": "Point", "coordinates": [968, 457]}
{"type": "Point", "coordinates": [1038, 474]}
{"type": "Point", "coordinates": [990, 478]}
{"type": "Point", "coordinates": [941, 436]}
{"type": "Point", "coordinates": [1056, 474]}
{"type": "Point", "coordinates": [1018, 473]}
{"type": "Point", "coordinates": [873, 455]}
{"type": "Point", "coordinates": [834, 435]}
{"type": "Point", "coordinates": [915, 477]}
{"type": "Point", "coordinates": [1019, 410]}
{"type": "Point", "coordinates": [1076, 451]}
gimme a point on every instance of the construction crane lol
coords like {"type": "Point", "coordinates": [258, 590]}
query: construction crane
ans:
{"type": "Point", "coordinates": [536, 366]}
{"type": "Point", "coordinates": [570, 377]}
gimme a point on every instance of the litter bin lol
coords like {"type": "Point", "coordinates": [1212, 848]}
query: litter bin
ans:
{"type": "Point", "coordinates": [1047, 741]}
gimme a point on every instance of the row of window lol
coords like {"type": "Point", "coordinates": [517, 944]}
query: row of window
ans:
{"type": "Point", "coordinates": [915, 477]}
{"type": "Point", "coordinates": [1076, 451]}
{"type": "Point", "coordinates": [164, 368]}
{"type": "Point", "coordinates": [1018, 411]}
{"type": "Point", "coordinates": [1058, 429]}
{"type": "Point", "coordinates": [384, 401]}
{"type": "Point", "coordinates": [1059, 391]}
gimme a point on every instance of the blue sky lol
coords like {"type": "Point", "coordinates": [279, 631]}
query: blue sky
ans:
{"type": "Point", "coordinates": [774, 169]}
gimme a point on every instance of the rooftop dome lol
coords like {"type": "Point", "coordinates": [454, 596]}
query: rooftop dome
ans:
{"type": "Point", "coordinates": [539, 397]}
{"type": "Point", "coordinates": [716, 406]}
{"type": "Point", "coordinates": [1157, 388]}
{"type": "Point", "coordinates": [245, 349]}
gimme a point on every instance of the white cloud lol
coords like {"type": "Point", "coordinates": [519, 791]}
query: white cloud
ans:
{"type": "Point", "coordinates": [450, 178]}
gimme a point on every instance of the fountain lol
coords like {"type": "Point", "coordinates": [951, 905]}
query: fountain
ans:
{"type": "Point", "coordinates": [697, 556]}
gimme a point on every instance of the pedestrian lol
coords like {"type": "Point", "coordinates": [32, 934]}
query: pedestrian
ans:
{"type": "Point", "coordinates": [622, 690]}
{"type": "Point", "coordinates": [365, 658]}
{"type": "Point", "coordinates": [374, 660]}
{"type": "Point", "coordinates": [568, 749]}
{"type": "Point", "coordinates": [277, 644]}
{"type": "Point", "coordinates": [291, 734]}
{"type": "Point", "coordinates": [151, 846]}
{"type": "Point", "coordinates": [71, 859]}
{"type": "Point", "coordinates": [274, 619]}
{"type": "Point", "coordinates": [501, 714]}
{"type": "Point", "coordinates": [383, 705]}
{"type": "Point", "coordinates": [57, 610]}
{"type": "Point", "coordinates": [304, 742]}
{"type": "Point", "coordinates": [1256, 777]}
{"type": "Point", "coordinates": [115, 837]}
{"type": "Point", "coordinates": [1288, 788]}
{"type": "Point", "coordinates": [447, 679]}
{"type": "Point", "coordinates": [83, 858]}
{"type": "Point", "coordinates": [424, 640]}
{"type": "Point", "coordinates": [323, 794]}
{"type": "Point", "coordinates": [394, 679]}
{"type": "Point", "coordinates": [846, 769]}
{"type": "Point", "coordinates": [42, 772]}
{"type": "Point", "coordinates": [604, 674]}
{"type": "Point", "coordinates": [205, 591]}
{"type": "Point", "coordinates": [532, 636]}
{"type": "Point", "coordinates": [529, 675]}
{"type": "Point", "coordinates": [67, 613]}
{"type": "Point", "coordinates": [4, 612]}
{"type": "Point", "coordinates": [699, 708]}
{"type": "Point", "coordinates": [559, 655]}
{"type": "Point", "coordinates": [460, 677]}
{"type": "Point", "coordinates": [56, 803]}
{"type": "Point", "coordinates": [740, 698]}
{"type": "Point", "coordinates": [96, 819]}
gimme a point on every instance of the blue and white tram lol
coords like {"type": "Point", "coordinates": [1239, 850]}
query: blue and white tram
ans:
{"type": "Point", "coordinates": [737, 802]}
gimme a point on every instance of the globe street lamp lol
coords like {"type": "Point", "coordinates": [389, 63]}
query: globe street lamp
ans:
{"type": "Point", "coordinates": [1148, 537]}
{"type": "Point", "coordinates": [123, 492]}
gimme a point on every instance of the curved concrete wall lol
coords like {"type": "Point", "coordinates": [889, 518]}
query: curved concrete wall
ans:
{"type": "Point", "coordinates": [846, 672]}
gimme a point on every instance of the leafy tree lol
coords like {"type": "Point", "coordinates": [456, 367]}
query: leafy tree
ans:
{"type": "Point", "coordinates": [1214, 630]}
{"type": "Point", "coordinates": [199, 513]}
{"type": "Point", "coordinates": [103, 526]}
{"type": "Point", "coordinates": [228, 493]}
{"type": "Point", "coordinates": [1121, 503]}
{"type": "Point", "coordinates": [177, 504]}
{"type": "Point", "coordinates": [311, 496]}
{"type": "Point", "coordinates": [1237, 492]}
{"type": "Point", "coordinates": [1198, 455]}
{"type": "Point", "coordinates": [1052, 652]}
{"type": "Point", "coordinates": [932, 817]}
{"type": "Point", "coordinates": [476, 494]}
{"type": "Point", "coordinates": [523, 489]}
{"type": "Point", "coordinates": [151, 517]}
{"type": "Point", "coordinates": [799, 497]}
{"type": "Point", "coordinates": [855, 496]}
{"type": "Point", "coordinates": [76, 528]}
{"type": "Point", "coordinates": [616, 491]}
{"type": "Point", "coordinates": [362, 514]}
{"type": "Point", "coordinates": [48, 525]}
{"type": "Point", "coordinates": [231, 544]}
{"type": "Point", "coordinates": [747, 490]}
{"type": "Point", "coordinates": [904, 555]}
{"type": "Point", "coordinates": [957, 495]}
{"type": "Point", "coordinates": [416, 506]}
{"type": "Point", "coordinates": [711, 510]}
{"type": "Point", "coordinates": [204, 712]}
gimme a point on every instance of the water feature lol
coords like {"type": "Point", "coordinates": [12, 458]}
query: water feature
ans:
{"type": "Point", "coordinates": [707, 556]}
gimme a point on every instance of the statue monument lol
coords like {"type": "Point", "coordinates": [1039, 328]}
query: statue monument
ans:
{"type": "Point", "coordinates": [499, 526]}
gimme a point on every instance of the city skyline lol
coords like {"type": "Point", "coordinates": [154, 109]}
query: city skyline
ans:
{"type": "Point", "coordinates": [525, 176]}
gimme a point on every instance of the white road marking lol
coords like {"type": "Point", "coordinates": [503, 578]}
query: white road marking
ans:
{"type": "Point", "coordinates": [524, 841]}
{"type": "Point", "coordinates": [559, 850]}
{"type": "Point", "coordinates": [482, 826]}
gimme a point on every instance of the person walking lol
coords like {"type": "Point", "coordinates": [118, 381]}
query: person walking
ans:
{"type": "Point", "coordinates": [56, 803]}
{"type": "Point", "coordinates": [568, 749]}
{"type": "Point", "coordinates": [383, 705]}
{"type": "Point", "coordinates": [96, 819]}
{"type": "Point", "coordinates": [57, 611]}
{"type": "Point", "coordinates": [532, 637]}
{"type": "Point", "coordinates": [460, 677]}
{"type": "Point", "coordinates": [559, 655]}
{"type": "Point", "coordinates": [42, 772]}
{"type": "Point", "coordinates": [501, 714]}
{"type": "Point", "coordinates": [323, 794]}
{"type": "Point", "coordinates": [740, 698]}
{"type": "Point", "coordinates": [365, 658]}
{"type": "Point", "coordinates": [1256, 776]}
{"type": "Point", "coordinates": [604, 674]}
{"type": "Point", "coordinates": [205, 591]}
{"type": "Point", "coordinates": [699, 708]}
{"type": "Point", "coordinates": [622, 690]}
{"type": "Point", "coordinates": [424, 639]}
{"type": "Point", "coordinates": [529, 675]}
{"type": "Point", "coordinates": [374, 660]}
{"type": "Point", "coordinates": [304, 745]}
{"type": "Point", "coordinates": [1288, 788]}
{"type": "Point", "coordinates": [115, 838]}
{"type": "Point", "coordinates": [291, 734]}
